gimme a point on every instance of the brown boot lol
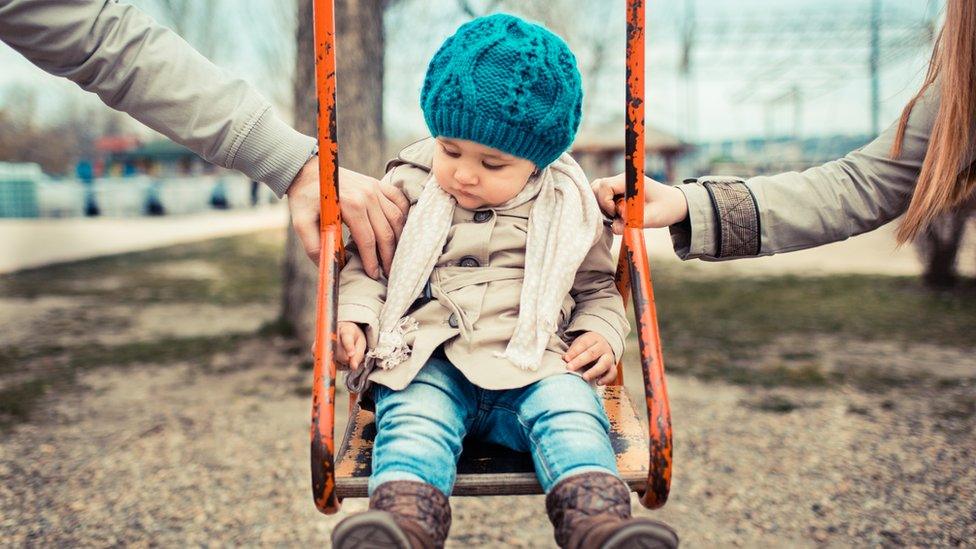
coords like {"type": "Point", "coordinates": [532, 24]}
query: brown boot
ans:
{"type": "Point", "coordinates": [404, 515]}
{"type": "Point", "coordinates": [592, 511]}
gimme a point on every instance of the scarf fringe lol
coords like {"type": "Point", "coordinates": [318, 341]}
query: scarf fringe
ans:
{"type": "Point", "coordinates": [392, 349]}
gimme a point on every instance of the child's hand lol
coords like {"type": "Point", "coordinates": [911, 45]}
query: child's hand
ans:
{"type": "Point", "coordinates": [591, 348]}
{"type": "Point", "coordinates": [664, 205]}
{"type": "Point", "coordinates": [351, 346]}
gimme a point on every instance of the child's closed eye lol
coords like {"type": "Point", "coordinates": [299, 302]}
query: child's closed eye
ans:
{"type": "Point", "coordinates": [448, 152]}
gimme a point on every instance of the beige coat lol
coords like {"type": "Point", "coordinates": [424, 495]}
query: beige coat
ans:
{"type": "Point", "coordinates": [474, 293]}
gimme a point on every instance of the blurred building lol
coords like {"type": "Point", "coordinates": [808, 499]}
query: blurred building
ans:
{"type": "Point", "coordinates": [121, 155]}
{"type": "Point", "coordinates": [601, 152]}
{"type": "Point", "coordinates": [766, 156]}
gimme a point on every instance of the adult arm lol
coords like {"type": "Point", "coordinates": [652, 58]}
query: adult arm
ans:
{"type": "Point", "coordinates": [142, 68]}
{"type": "Point", "coordinates": [725, 218]}
{"type": "Point", "coordinates": [797, 210]}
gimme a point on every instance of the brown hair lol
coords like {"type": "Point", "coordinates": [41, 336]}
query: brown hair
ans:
{"type": "Point", "coordinates": [940, 185]}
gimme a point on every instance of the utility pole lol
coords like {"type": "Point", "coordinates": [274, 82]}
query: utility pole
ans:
{"type": "Point", "coordinates": [687, 71]}
{"type": "Point", "coordinates": [874, 66]}
{"type": "Point", "coordinates": [796, 95]}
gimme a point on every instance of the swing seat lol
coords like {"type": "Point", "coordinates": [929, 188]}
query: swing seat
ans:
{"type": "Point", "coordinates": [643, 450]}
{"type": "Point", "coordinates": [489, 470]}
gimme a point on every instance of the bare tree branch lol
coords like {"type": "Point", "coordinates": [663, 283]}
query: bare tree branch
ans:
{"type": "Point", "coordinates": [464, 6]}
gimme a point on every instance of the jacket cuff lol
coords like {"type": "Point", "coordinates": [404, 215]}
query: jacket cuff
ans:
{"type": "Point", "coordinates": [360, 314]}
{"type": "Point", "coordinates": [723, 220]}
{"type": "Point", "coordinates": [272, 152]}
{"type": "Point", "coordinates": [737, 216]}
{"type": "Point", "coordinates": [592, 323]}
{"type": "Point", "coordinates": [698, 236]}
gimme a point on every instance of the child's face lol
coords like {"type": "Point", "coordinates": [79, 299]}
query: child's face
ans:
{"type": "Point", "coordinates": [478, 176]}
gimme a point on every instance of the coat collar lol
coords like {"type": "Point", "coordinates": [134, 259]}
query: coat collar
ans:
{"type": "Point", "coordinates": [419, 154]}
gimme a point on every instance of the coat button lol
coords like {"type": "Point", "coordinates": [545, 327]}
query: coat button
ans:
{"type": "Point", "coordinates": [452, 321]}
{"type": "Point", "coordinates": [470, 261]}
{"type": "Point", "coordinates": [482, 216]}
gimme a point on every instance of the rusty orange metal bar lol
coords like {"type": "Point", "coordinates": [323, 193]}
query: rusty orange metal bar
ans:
{"type": "Point", "coordinates": [637, 276]}
{"type": "Point", "coordinates": [324, 373]}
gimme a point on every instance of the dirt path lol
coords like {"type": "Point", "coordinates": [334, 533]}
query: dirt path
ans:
{"type": "Point", "coordinates": [26, 243]}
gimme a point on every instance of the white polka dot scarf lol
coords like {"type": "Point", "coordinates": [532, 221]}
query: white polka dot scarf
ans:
{"type": "Point", "coordinates": [564, 222]}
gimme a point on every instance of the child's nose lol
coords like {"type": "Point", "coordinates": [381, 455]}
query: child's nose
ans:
{"type": "Point", "coordinates": [465, 176]}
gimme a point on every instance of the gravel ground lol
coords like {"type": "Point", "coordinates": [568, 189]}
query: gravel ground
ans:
{"type": "Point", "coordinates": [209, 447]}
{"type": "Point", "coordinates": [216, 453]}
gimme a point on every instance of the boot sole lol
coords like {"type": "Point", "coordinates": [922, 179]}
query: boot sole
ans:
{"type": "Point", "coordinates": [369, 530]}
{"type": "Point", "coordinates": [645, 534]}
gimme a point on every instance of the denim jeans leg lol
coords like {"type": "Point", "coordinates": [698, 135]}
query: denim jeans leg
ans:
{"type": "Point", "coordinates": [567, 428]}
{"type": "Point", "coordinates": [419, 429]}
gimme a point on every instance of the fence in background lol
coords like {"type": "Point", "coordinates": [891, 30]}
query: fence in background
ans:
{"type": "Point", "coordinates": [26, 192]}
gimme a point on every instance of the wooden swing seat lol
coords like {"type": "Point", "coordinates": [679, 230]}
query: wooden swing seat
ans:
{"type": "Point", "coordinates": [490, 470]}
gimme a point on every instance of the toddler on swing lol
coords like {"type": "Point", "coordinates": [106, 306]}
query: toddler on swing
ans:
{"type": "Point", "coordinates": [500, 308]}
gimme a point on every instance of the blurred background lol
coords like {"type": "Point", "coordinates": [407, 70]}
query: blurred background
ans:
{"type": "Point", "coordinates": [155, 314]}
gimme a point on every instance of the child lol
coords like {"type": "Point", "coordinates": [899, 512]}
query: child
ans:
{"type": "Point", "coordinates": [503, 259]}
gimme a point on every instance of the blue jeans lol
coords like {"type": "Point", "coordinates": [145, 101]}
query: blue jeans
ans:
{"type": "Point", "coordinates": [559, 419]}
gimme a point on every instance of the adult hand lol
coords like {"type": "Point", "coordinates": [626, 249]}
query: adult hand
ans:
{"type": "Point", "coordinates": [373, 211]}
{"type": "Point", "coordinates": [663, 204]}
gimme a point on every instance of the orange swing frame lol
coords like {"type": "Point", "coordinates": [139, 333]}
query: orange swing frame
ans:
{"type": "Point", "coordinates": [632, 277]}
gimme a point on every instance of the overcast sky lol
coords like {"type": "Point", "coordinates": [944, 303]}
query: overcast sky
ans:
{"type": "Point", "coordinates": [726, 97]}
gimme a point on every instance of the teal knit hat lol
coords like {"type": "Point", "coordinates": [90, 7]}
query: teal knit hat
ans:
{"type": "Point", "coordinates": [508, 84]}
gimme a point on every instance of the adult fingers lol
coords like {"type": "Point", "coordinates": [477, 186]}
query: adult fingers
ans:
{"type": "Point", "coordinates": [383, 233]}
{"type": "Point", "coordinates": [395, 196]}
{"type": "Point", "coordinates": [304, 206]}
{"type": "Point", "coordinates": [394, 216]}
{"type": "Point", "coordinates": [307, 229]}
{"type": "Point", "coordinates": [362, 234]}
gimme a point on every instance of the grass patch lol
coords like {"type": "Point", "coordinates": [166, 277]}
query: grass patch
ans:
{"type": "Point", "coordinates": [160, 351]}
{"type": "Point", "coordinates": [248, 270]}
{"type": "Point", "coordinates": [62, 365]}
{"type": "Point", "coordinates": [714, 328]}
{"type": "Point", "coordinates": [761, 376]}
{"type": "Point", "coordinates": [17, 401]}
{"type": "Point", "coordinates": [745, 311]}
{"type": "Point", "coordinates": [777, 404]}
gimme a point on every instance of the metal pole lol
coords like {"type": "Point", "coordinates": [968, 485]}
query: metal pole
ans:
{"type": "Point", "coordinates": [874, 65]}
{"type": "Point", "coordinates": [324, 371]}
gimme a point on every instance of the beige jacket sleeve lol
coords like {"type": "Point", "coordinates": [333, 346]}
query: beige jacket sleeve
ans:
{"type": "Point", "coordinates": [144, 69]}
{"type": "Point", "coordinates": [599, 307]}
{"type": "Point", "coordinates": [792, 211]}
{"type": "Point", "coordinates": [361, 297]}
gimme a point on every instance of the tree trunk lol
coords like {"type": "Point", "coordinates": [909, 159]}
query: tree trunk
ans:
{"type": "Point", "coordinates": [939, 248]}
{"type": "Point", "coordinates": [359, 75]}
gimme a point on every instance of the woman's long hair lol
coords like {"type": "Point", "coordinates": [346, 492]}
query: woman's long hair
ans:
{"type": "Point", "coordinates": [940, 185]}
